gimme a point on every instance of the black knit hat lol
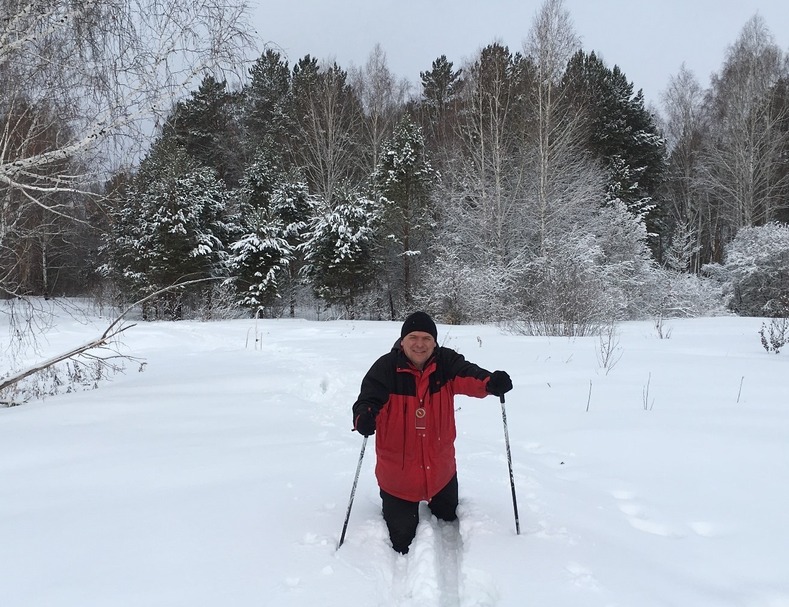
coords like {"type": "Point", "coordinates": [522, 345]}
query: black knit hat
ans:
{"type": "Point", "coordinates": [419, 321]}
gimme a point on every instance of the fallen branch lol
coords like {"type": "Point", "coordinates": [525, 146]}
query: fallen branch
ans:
{"type": "Point", "coordinates": [114, 329]}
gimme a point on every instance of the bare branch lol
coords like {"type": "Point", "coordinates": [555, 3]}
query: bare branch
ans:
{"type": "Point", "coordinates": [114, 329]}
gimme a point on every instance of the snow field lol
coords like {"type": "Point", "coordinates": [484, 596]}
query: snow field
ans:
{"type": "Point", "coordinates": [221, 474]}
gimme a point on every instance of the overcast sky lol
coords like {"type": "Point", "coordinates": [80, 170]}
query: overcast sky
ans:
{"type": "Point", "coordinates": [648, 39]}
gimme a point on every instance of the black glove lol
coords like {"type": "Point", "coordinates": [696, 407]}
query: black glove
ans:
{"type": "Point", "coordinates": [364, 423]}
{"type": "Point", "coordinates": [499, 383]}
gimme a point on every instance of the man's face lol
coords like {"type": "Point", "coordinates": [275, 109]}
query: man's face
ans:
{"type": "Point", "coordinates": [418, 347]}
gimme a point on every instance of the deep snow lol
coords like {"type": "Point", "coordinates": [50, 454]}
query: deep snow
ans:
{"type": "Point", "coordinates": [220, 475]}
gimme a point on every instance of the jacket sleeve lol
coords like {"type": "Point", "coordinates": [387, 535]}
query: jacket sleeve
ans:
{"type": "Point", "coordinates": [466, 377]}
{"type": "Point", "coordinates": [375, 388]}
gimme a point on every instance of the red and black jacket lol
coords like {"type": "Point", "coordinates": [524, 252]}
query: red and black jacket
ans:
{"type": "Point", "coordinates": [415, 418]}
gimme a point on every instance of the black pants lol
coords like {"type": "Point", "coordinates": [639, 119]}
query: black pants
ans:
{"type": "Point", "coordinates": [402, 516]}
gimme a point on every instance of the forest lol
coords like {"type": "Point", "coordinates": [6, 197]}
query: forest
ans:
{"type": "Point", "coordinates": [529, 187]}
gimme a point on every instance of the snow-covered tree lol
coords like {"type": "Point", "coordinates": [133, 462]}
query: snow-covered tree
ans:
{"type": "Point", "coordinates": [589, 275]}
{"type": "Point", "coordinates": [687, 208]}
{"type": "Point", "coordinates": [260, 256]}
{"type": "Point", "coordinates": [557, 135]}
{"type": "Point", "coordinates": [755, 271]}
{"type": "Point", "coordinates": [291, 204]}
{"type": "Point", "coordinates": [268, 105]}
{"type": "Point", "coordinates": [94, 77]}
{"type": "Point", "coordinates": [206, 126]}
{"type": "Point", "coordinates": [340, 249]}
{"type": "Point", "coordinates": [462, 288]}
{"type": "Point", "coordinates": [274, 215]}
{"type": "Point", "coordinates": [745, 149]}
{"type": "Point", "coordinates": [328, 116]}
{"type": "Point", "coordinates": [487, 171]}
{"type": "Point", "coordinates": [43, 245]}
{"type": "Point", "coordinates": [382, 96]}
{"type": "Point", "coordinates": [172, 225]}
{"type": "Point", "coordinates": [620, 133]}
{"type": "Point", "coordinates": [82, 85]}
{"type": "Point", "coordinates": [404, 179]}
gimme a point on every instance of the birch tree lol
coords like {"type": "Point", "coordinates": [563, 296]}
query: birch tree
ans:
{"type": "Point", "coordinates": [99, 73]}
{"type": "Point", "coordinates": [690, 215]}
{"type": "Point", "coordinates": [382, 96]}
{"type": "Point", "coordinates": [83, 83]}
{"type": "Point", "coordinates": [747, 139]}
{"type": "Point", "coordinates": [481, 189]}
{"type": "Point", "coordinates": [558, 135]}
{"type": "Point", "coordinates": [327, 116]}
{"type": "Point", "coordinates": [569, 279]}
{"type": "Point", "coordinates": [491, 139]}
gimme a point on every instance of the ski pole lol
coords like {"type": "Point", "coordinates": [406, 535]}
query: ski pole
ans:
{"type": "Point", "coordinates": [509, 464]}
{"type": "Point", "coordinates": [353, 492]}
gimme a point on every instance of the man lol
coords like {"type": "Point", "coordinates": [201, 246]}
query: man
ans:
{"type": "Point", "coordinates": [407, 400]}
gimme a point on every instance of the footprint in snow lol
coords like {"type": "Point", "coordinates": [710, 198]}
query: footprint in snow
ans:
{"type": "Point", "coordinates": [582, 577]}
{"type": "Point", "coordinates": [639, 519]}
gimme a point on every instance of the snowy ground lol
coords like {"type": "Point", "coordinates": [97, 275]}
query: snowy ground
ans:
{"type": "Point", "coordinates": [220, 475]}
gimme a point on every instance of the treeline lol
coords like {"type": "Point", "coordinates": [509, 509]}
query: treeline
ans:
{"type": "Point", "coordinates": [529, 186]}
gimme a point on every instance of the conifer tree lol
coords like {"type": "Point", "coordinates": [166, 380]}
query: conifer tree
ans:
{"type": "Point", "coordinates": [261, 254]}
{"type": "Point", "coordinates": [268, 106]}
{"type": "Point", "coordinates": [404, 179]}
{"type": "Point", "coordinates": [441, 89]}
{"type": "Point", "coordinates": [274, 217]}
{"type": "Point", "coordinates": [171, 226]}
{"type": "Point", "coordinates": [621, 134]}
{"type": "Point", "coordinates": [206, 127]}
{"type": "Point", "coordinates": [340, 249]}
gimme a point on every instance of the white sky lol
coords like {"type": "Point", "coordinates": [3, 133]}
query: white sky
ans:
{"type": "Point", "coordinates": [649, 40]}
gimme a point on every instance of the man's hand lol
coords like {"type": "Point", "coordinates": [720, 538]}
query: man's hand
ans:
{"type": "Point", "coordinates": [499, 383]}
{"type": "Point", "coordinates": [364, 423]}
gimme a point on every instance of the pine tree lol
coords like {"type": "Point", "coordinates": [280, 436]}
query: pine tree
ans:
{"type": "Point", "coordinates": [621, 133]}
{"type": "Point", "coordinates": [291, 205]}
{"type": "Point", "coordinates": [441, 84]}
{"type": "Point", "coordinates": [262, 254]}
{"type": "Point", "coordinates": [404, 179]}
{"type": "Point", "coordinates": [441, 89]}
{"type": "Point", "coordinates": [340, 249]}
{"type": "Point", "coordinates": [268, 105]}
{"type": "Point", "coordinates": [171, 226]}
{"type": "Point", "coordinates": [206, 127]}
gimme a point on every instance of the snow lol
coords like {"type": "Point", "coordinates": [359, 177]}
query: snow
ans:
{"type": "Point", "coordinates": [221, 474]}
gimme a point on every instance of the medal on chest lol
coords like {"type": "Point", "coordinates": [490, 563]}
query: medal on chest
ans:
{"type": "Point", "coordinates": [421, 419]}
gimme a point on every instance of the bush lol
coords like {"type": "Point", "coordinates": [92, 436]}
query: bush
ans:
{"type": "Point", "coordinates": [755, 272]}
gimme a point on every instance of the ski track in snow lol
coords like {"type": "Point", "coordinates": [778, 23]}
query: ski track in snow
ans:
{"type": "Point", "coordinates": [432, 574]}
{"type": "Point", "coordinates": [450, 549]}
